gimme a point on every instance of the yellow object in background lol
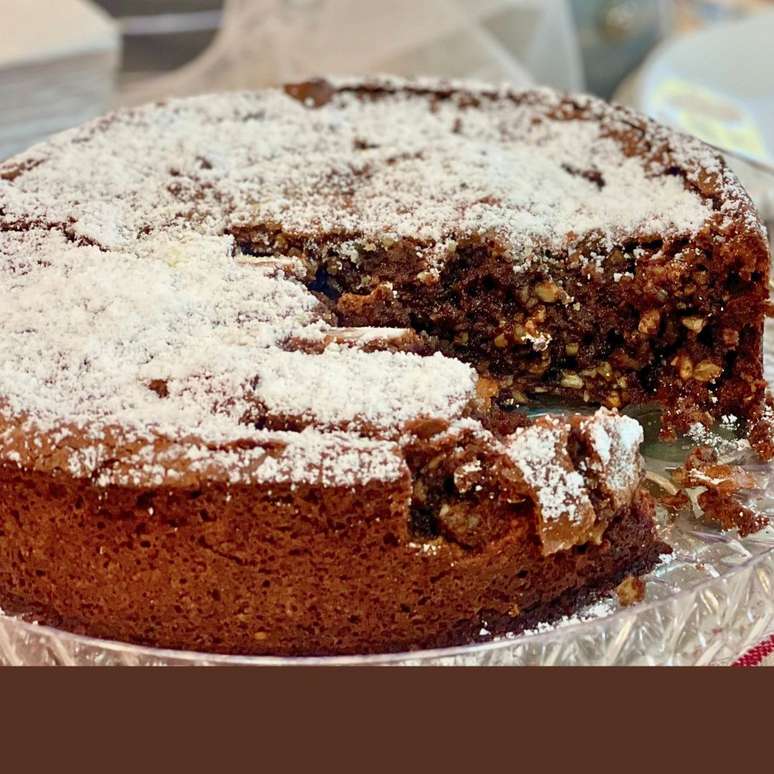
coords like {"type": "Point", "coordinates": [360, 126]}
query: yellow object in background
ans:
{"type": "Point", "coordinates": [711, 116]}
{"type": "Point", "coordinates": [692, 14]}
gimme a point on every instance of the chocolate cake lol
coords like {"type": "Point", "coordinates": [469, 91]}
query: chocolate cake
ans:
{"type": "Point", "coordinates": [264, 359]}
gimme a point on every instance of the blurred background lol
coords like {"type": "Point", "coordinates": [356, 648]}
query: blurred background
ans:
{"type": "Point", "coordinates": [705, 67]}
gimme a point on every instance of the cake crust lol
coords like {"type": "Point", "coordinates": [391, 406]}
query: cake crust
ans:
{"type": "Point", "coordinates": [293, 569]}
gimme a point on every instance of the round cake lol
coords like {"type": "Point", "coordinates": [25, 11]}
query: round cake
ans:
{"type": "Point", "coordinates": [265, 359]}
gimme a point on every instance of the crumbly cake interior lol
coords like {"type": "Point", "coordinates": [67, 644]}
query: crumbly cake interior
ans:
{"type": "Point", "coordinates": [342, 286]}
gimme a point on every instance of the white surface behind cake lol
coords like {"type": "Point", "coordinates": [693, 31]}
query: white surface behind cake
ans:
{"type": "Point", "coordinates": [57, 64]}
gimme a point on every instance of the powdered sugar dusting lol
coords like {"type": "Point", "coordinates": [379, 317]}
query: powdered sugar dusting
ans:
{"type": "Point", "coordinates": [346, 386]}
{"type": "Point", "coordinates": [182, 337]}
{"type": "Point", "coordinates": [402, 164]}
{"type": "Point", "coordinates": [126, 303]}
{"type": "Point", "coordinates": [616, 442]}
{"type": "Point", "coordinates": [538, 452]}
{"type": "Point", "coordinates": [309, 457]}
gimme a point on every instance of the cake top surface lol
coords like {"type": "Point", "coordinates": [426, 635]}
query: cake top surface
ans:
{"type": "Point", "coordinates": [531, 169]}
{"type": "Point", "coordinates": [130, 315]}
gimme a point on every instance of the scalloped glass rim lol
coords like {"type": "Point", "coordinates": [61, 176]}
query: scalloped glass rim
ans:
{"type": "Point", "coordinates": [716, 582]}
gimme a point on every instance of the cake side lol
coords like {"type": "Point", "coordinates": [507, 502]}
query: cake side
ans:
{"type": "Point", "coordinates": [473, 537]}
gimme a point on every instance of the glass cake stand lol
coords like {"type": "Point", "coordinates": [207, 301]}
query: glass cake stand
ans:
{"type": "Point", "coordinates": [712, 600]}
